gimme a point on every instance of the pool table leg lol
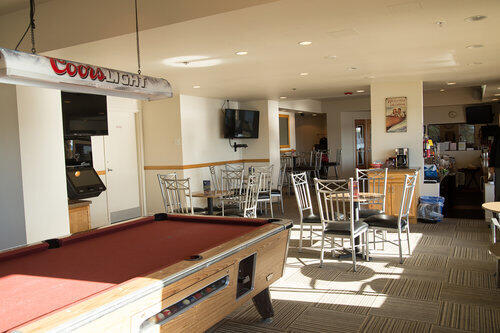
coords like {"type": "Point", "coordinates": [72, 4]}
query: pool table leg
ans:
{"type": "Point", "coordinates": [262, 302]}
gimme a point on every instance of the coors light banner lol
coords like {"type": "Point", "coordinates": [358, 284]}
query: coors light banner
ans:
{"type": "Point", "coordinates": [35, 70]}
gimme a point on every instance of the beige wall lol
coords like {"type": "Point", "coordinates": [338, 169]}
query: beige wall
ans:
{"type": "Point", "coordinates": [161, 121]}
{"type": "Point", "coordinates": [309, 130]}
{"type": "Point", "coordinates": [337, 133]}
{"type": "Point", "coordinates": [348, 141]}
{"type": "Point", "coordinates": [43, 164]}
{"type": "Point", "coordinates": [203, 138]}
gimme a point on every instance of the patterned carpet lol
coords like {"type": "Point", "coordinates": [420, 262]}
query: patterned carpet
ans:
{"type": "Point", "coordinates": [446, 285]}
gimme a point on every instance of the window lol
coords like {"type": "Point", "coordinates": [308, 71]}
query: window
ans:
{"type": "Point", "coordinates": [284, 131]}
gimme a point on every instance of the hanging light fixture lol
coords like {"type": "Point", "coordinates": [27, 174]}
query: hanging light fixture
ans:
{"type": "Point", "coordinates": [34, 70]}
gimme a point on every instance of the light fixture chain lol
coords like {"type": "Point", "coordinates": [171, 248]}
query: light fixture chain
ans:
{"type": "Point", "coordinates": [32, 26]}
{"type": "Point", "coordinates": [137, 40]}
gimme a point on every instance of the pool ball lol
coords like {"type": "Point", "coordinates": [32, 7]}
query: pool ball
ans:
{"type": "Point", "coordinates": [186, 302]}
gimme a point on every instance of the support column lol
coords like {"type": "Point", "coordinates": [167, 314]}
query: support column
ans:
{"type": "Point", "coordinates": [383, 143]}
{"type": "Point", "coordinates": [12, 225]}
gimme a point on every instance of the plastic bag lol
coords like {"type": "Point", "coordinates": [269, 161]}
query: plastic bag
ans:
{"type": "Point", "coordinates": [430, 209]}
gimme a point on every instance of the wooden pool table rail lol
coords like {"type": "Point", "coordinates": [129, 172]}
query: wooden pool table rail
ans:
{"type": "Point", "coordinates": [107, 310]}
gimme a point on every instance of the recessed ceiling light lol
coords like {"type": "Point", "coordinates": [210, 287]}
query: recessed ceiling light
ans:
{"type": "Point", "coordinates": [442, 90]}
{"type": "Point", "coordinates": [294, 89]}
{"type": "Point", "coordinates": [283, 97]}
{"type": "Point", "coordinates": [474, 46]}
{"type": "Point", "coordinates": [475, 18]}
{"type": "Point", "coordinates": [304, 74]}
{"type": "Point", "coordinates": [305, 43]}
{"type": "Point", "coordinates": [451, 83]}
{"type": "Point", "coordinates": [332, 57]}
{"type": "Point", "coordinates": [495, 99]}
{"type": "Point", "coordinates": [242, 53]}
{"type": "Point", "coordinates": [440, 23]}
{"type": "Point", "coordinates": [352, 68]}
{"type": "Point", "coordinates": [196, 86]}
{"type": "Point", "coordinates": [360, 91]}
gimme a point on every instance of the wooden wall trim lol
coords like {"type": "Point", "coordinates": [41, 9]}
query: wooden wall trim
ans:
{"type": "Point", "coordinates": [204, 165]}
{"type": "Point", "coordinates": [101, 172]}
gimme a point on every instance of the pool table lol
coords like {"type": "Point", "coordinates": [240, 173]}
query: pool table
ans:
{"type": "Point", "coordinates": [161, 273]}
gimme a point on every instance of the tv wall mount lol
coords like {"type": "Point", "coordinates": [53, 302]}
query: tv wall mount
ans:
{"type": "Point", "coordinates": [237, 145]}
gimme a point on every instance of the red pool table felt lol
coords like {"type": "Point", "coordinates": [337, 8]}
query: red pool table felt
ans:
{"type": "Point", "coordinates": [36, 281]}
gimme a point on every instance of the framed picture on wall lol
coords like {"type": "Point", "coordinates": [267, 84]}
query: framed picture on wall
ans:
{"type": "Point", "coordinates": [395, 114]}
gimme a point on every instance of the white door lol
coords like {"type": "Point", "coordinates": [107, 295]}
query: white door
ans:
{"type": "Point", "coordinates": [122, 172]}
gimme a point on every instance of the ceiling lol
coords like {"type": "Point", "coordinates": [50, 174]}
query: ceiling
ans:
{"type": "Point", "coordinates": [9, 6]}
{"type": "Point", "coordinates": [353, 44]}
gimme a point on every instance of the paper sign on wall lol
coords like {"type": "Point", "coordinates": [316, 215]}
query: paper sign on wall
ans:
{"type": "Point", "coordinates": [395, 114]}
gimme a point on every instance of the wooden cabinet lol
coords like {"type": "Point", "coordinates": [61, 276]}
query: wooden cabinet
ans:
{"type": "Point", "coordinates": [79, 215]}
{"type": "Point", "coordinates": [394, 195]}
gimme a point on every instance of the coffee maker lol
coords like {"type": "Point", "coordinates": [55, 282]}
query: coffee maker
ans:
{"type": "Point", "coordinates": [402, 159]}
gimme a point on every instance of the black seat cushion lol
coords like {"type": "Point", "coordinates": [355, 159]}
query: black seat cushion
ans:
{"type": "Point", "coordinates": [275, 192]}
{"type": "Point", "coordinates": [364, 213]}
{"type": "Point", "coordinates": [263, 196]}
{"type": "Point", "coordinates": [384, 221]}
{"type": "Point", "coordinates": [311, 219]}
{"type": "Point", "coordinates": [344, 228]}
{"type": "Point", "coordinates": [196, 210]}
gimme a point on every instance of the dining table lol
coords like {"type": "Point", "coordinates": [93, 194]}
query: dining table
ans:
{"type": "Point", "coordinates": [210, 196]}
{"type": "Point", "coordinates": [359, 198]}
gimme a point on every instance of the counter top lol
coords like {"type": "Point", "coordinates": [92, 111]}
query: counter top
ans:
{"type": "Point", "coordinates": [78, 203]}
{"type": "Point", "coordinates": [404, 169]}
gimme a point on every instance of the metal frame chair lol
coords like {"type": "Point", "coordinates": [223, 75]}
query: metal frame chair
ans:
{"type": "Point", "coordinates": [338, 216]}
{"type": "Point", "coordinates": [266, 185]}
{"type": "Point", "coordinates": [338, 162]}
{"type": "Point", "coordinates": [231, 182]}
{"type": "Point", "coordinates": [177, 195]}
{"type": "Point", "coordinates": [372, 180]}
{"type": "Point", "coordinates": [161, 182]}
{"type": "Point", "coordinates": [213, 176]}
{"type": "Point", "coordinates": [401, 222]}
{"type": "Point", "coordinates": [234, 166]}
{"type": "Point", "coordinates": [252, 195]}
{"type": "Point", "coordinates": [318, 157]}
{"type": "Point", "coordinates": [278, 191]}
{"type": "Point", "coordinates": [304, 203]}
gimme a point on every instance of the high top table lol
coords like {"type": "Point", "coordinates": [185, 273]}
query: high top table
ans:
{"type": "Point", "coordinates": [494, 249]}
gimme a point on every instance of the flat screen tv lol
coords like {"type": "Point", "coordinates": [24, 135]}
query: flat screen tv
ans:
{"type": "Point", "coordinates": [242, 124]}
{"type": "Point", "coordinates": [84, 114]}
{"type": "Point", "coordinates": [479, 114]}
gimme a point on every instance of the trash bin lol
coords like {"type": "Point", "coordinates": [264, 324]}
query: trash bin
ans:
{"type": "Point", "coordinates": [430, 209]}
